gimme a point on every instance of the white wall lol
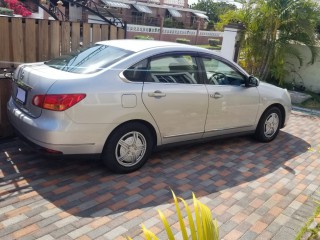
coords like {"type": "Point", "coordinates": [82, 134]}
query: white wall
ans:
{"type": "Point", "coordinates": [307, 74]}
{"type": "Point", "coordinates": [230, 37]}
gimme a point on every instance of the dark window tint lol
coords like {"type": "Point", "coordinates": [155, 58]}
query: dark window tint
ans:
{"type": "Point", "coordinates": [136, 73]}
{"type": "Point", "coordinates": [89, 60]}
{"type": "Point", "coordinates": [219, 73]}
{"type": "Point", "coordinates": [173, 69]}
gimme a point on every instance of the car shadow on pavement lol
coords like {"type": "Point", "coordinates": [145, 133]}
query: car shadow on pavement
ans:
{"type": "Point", "coordinates": [84, 188]}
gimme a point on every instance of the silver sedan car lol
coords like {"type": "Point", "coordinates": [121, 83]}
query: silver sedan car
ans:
{"type": "Point", "coordinates": [121, 99]}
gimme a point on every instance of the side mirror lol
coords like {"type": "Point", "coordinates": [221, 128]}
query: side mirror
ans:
{"type": "Point", "coordinates": [252, 82]}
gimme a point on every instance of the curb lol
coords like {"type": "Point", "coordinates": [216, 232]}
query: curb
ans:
{"type": "Point", "coordinates": [306, 110]}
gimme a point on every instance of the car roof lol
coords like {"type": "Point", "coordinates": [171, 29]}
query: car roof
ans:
{"type": "Point", "coordinates": [137, 45]}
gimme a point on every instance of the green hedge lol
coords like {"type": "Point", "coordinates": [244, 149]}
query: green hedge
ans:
{"type": "Point", "coordinates": [214, 42]}
{"type": "Point", "coordinates": [183, 40]}
{"type": "Point", "coordinates": [144, 37]}
{"type": "Point", "coordinates": [6, 11]}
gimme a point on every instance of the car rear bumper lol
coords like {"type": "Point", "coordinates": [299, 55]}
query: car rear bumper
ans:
{"type": "Point", "coordinates": [58, 134]}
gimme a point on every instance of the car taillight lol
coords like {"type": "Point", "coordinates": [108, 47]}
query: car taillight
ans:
{"type": "Point", "coordinates": [57, 102]}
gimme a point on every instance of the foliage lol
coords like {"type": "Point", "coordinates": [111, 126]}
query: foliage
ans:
{"type": "Point", "coordinates": [271, 27]}
{"type": "Point", "coordinates": [202, 227]}
{"type": "Point", "coordinates": [183, 40]}
{"type": "Point", "coordinates": [313, 103]}
{"type": "Point", "coordinates": [168, 22]}
{"type": "Point", "coordinates": [207, 46]}
{"type": "Point", "coordinates": [171, 23]}
{"type": "Point", "coordinates": [6, 11]}
{"type": "Point", "coordinates": [213, 9]}
{"type": "Point", "coordinates": [210, 26]}
{"type": "Point", "coordinates": [144, 37]}
{"type": "Point", "coordinates": [17, 7]}
{"type": "Point", "coordinates": [310, 233]}
{"type": "Point", "coordinates": [213, 42]}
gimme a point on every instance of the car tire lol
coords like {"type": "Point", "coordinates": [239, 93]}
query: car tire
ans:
{"type": "Point", "coordinates": [128, 148]}
{"type": "Point", "coordinates": [269, 125]}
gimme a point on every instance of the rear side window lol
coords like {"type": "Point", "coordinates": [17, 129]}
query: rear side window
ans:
{"type": "Point", "coordinates": [136, 73]}
{"type": "Point", "coordinates": [89, 60]}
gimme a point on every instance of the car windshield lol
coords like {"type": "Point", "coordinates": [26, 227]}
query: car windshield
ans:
{"type": "Point", "coordinates": [89, 60]}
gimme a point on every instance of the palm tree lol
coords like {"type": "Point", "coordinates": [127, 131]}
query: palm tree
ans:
{"type": "Point", "coordinates": [272, 27]}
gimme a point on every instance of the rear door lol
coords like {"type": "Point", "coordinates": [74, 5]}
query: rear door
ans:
{"type": "Point", "coordinates": [175, 96]}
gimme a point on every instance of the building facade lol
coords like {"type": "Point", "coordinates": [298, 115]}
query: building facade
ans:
{"type": "Point", "coordinates": [165, 13]}
{"type": "Point", "coordinates": [169, 13]}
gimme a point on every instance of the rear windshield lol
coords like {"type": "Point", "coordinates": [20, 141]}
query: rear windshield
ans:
{"type": "Point", "coordinates": [89, 60]}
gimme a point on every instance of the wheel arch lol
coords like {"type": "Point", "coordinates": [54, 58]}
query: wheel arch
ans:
{"type": "Point", "coordinates": [282, 110]}
{"type": "Point", "coordinates": [145, 123]}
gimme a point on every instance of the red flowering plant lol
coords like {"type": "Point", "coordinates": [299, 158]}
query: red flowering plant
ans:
{"type": "Point", "coordinates": [17, 7]}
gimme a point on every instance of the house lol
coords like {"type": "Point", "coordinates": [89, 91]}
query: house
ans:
{"type": "Point", "coordinates": [173, 13]}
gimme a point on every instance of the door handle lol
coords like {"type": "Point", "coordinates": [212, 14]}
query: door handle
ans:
{"type": "Point", "coordinates": [157, 93]}
{"type": "Point", "coordinates": [216, 95]}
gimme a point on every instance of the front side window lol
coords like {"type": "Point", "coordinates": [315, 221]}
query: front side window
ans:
{"type": "Point", "coordinates": [219, 73]}
{"type": "Point", "coordinates": [89, 60]}
{"type": "Point", "coordinates": [173, 69]}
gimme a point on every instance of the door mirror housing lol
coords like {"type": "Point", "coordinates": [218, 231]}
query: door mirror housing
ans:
{"type": "Point", "coordinates": [252, 81]}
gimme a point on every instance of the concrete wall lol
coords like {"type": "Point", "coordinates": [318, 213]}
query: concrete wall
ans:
{"type": "Point", "coordinates": [308, 75]}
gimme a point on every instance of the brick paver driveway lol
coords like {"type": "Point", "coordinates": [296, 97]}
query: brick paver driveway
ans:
{"type": "Point", "coordinates": [255, 190]}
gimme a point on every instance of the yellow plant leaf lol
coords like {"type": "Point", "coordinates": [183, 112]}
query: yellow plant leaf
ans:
{"type": "Point", "coordinates": [191, 221]}
{"type": "Point", "coordinates": [181, 222]}
{"type": "Point", "coordinates": [148, 234]}
{"type": "Point", "coordinates": [166, 226]}
{"type": "Point", "coordinates": [207, 221]}
{"type": "Point", "coordinates": [198, 217]}
{"type": "Point", "coordinates": [203, 222]}
{"type": "Point", "coordinates": [216, 229]}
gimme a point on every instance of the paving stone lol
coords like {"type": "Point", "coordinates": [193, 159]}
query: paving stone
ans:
{"type": "Point", "coordinates": [79, 232]}
{"type": "Point", "coordinates": [94, 234]}
{"type": "Point", "coordinates": [115, 232]}
{"type": "Point", "coordinates": [249, 235]}
{"type": "Point", "coordinates": [48, 221]}
{"type": "Point", "coordinates": [14, 220]}
{"type": "Point", "coordinates": [255, 190]}
{"type": "Point", "coordinates": [285, 233]}
{"type": "Point", "coordinates": [65, 221]}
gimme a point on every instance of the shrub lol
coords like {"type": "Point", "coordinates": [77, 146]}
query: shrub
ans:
{"type": "Point", "coordinates": [201, 224]}
{"type": "Point", "coordinates": [6, 11]}
{"type": "Point", "coordinates": [144, 37]}
{"type": "Point", "coordinates": [183, 40]}
{"type": "Point", "coordinates": [214, 42]}
{"type": "Point", "coordinates": [168, 22]}
{"type": "Point", "coordinates": [210, 26]}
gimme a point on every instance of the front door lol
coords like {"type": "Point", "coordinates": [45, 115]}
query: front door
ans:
{"type": "Point", "coordinates": [232, 106]}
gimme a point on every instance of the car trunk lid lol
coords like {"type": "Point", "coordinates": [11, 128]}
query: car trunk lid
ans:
{"type": "Point", "coordinates": [30, 80]}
